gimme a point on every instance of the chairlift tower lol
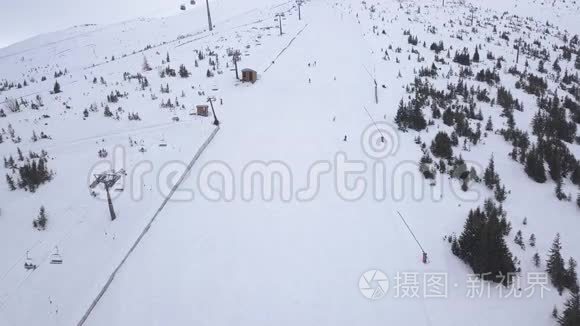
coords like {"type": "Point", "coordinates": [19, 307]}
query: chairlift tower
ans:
{"type": "Point", "coordinates": [209, 16]}
{"type": "Point", "coordinates": [299, 3]}
{"type": "Point", "coordinates": [279, 16]}
{"type": "Point", "coordinates": [216, 122]}
{"type": "Point", "coordinates": [108, 180]}
{"type": "Point", "coordinates": [236, 57]}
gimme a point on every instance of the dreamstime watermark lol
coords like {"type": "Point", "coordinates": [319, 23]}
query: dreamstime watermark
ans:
{"type": "Point", "coordinates": [375, 284]}
{"type": "Point", "coordinates": [377, 175]}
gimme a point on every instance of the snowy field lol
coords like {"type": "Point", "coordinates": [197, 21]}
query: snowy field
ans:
{"type": "Point", "coordinates": [289, 248]}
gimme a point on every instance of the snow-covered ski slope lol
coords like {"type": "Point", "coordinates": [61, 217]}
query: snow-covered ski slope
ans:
{"type": "Point", "coordinates": [246, 259]}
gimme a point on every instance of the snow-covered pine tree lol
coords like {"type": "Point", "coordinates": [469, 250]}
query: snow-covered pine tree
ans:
{"type": "Point", "coordinates": [56, 89]}
{"type": "Point", "coordinates": [558, 190]}
{"type": "Point", "coordinates": [183, 73]}
{"type": "Point", "coordinates": [476, 55]}
{"type": "Point", "coordinates": [10, 182]}
{"type": "Point", "coordinates": [489, 125]}
{"type": "Point", "coordinates": [536, 259]}
{"type": "Point", "coordinates": [555, 265]}
{"type": "Point", "coordinates": [535, 165]}
{"type": "Point", "coordinates": [441, 146]}
{"type": "Point", "coordinates": [490, 177]}
{"type": "Point", "coordinates": [571, 276]}
{"type": "Point", "coordinates": [146, 66]}
{"type": "Point", "coordinates": [482, 246]}
{"type": "Point", "coordinates": [571, 314]}
{"type": "Point", "coordinates": [519, 240]}
{"type": "Point", "coordinates": [500, 192]}
{"type": "Point", "coordinates": [42, 219]}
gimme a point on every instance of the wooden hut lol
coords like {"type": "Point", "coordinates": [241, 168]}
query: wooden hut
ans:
{"type": "Point", "coordinates": [202, 110]}
{"type": "Point", "coordinates": [249, 75]}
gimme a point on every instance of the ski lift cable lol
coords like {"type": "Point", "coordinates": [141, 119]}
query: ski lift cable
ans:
{"type": "Point", "coordinates": [18, 261]}
{"type": "Point", "coordinates": [373, 78]}
{"type": "Point", "coordinates": [411, 231]}
{"type": "Point", "coordinates": [374, 122]}
{"type": "Point", "coordinates": [40, 262]}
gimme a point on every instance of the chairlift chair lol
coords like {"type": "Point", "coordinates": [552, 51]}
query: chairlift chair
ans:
{"type": "Point", "coordinates": [28, 264]}
{"type": "Point", "coordinates": [56, 259]}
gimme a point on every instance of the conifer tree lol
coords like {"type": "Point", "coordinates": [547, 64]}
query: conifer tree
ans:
{"type": "Point", "coordinates": [489, 125]}
{"type": "Point", "coordinates": [107, 112]}
{"type": "Point", "coordinates": [441, 146]}
{"type": "Point", "coordinates": [490, 177]}
{"type": "Point", "coordinates": [448, 117]}
{"type": "Point", "coordinates": [555, 265]}
{"type": "Point", "coordinates": [500, 192]}
{"type": "Point", "coordinates": [10, 183]}
{"type": "Point", "coordinates": [575, 176]}
{"type": "Point", "coordinates": [536, 260]}
{"type": "Point", "coordinates": [476, 55]}
{"type": "Point", "coordinates": [41, 221]}
{"type": "Point", "coordinates": [56, 88]}
{"type": "Point", "coordinates": [535, 165]}
{"type": "Point", "coordinates": [471, 235]}
{"type": "Point", "coordinates": [482, 246]}
{"type": "Point", "coordinates": [556, 66]}
{"type": "Point", "coordinates": [183, 73]}
{"type": "Point", "coordinates": [571, 314]}
{"type": "Point", "coordinates": [559, 192]}
{"type": "Point", "coordinates": [146, 66]}
{"type": "Point", "coordinates": [519, 240]}
{"type": "Point", "coordinates": [571, 276]}
{"type": "Point", "coordinates": [494, 255]}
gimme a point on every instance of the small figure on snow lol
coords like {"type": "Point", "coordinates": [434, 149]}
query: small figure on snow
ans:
{"type": "Point", "coordinates": [345, 138]}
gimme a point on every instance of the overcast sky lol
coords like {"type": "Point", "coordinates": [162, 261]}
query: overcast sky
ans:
{"type": "Point", "coordinates": [21, 19]}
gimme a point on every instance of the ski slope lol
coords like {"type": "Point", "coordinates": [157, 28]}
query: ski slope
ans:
{"type": "Point", "coordinates": [258, 262]}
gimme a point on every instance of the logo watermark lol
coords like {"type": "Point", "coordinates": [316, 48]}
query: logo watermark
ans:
{"type": "Point", "coordinates": [374, 285]}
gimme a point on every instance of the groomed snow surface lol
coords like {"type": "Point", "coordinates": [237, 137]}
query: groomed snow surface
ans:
{"type": "Point", "coordinates": [250, 260]}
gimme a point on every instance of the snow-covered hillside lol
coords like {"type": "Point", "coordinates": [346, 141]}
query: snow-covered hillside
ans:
{"type": "Point", "coordinates": [362, 110]}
